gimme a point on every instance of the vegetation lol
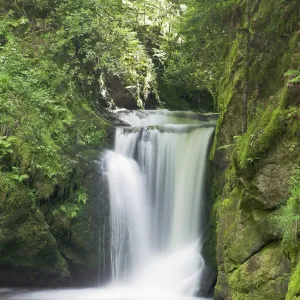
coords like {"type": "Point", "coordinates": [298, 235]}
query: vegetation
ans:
{"type": "Point", "coordinates": [290, 218]}
{"type": "Point", "coordinates": [256, 147]}
{"type": "Point", "coordinates": [197, 53]}
{"type": "Point", "coordinates": [61, 62]}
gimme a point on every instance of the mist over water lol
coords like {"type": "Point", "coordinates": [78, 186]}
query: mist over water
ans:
{"type": "Point", "coordinates": [156, 178]}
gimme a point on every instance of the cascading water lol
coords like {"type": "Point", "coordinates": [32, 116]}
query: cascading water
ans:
{"type": "Point", "coordinates": [156, 177]}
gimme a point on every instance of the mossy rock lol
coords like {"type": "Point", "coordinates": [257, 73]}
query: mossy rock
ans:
{"type": "Point", "coordinates": [83, 238]}
{"type": "Point", "coordinates": [259, 163]}
{"type": "Point", "coordinates": [294, 285]}
{"type": "Point", "coordinates": [41, 243]}
{"type": "Point", "coordinates": [272, 183]}
{"type": "Point", "coordinates": [222, 287]}
{"type": "Point", "coordinates": [239, 236]}
{"type": "Point", "coordinates": [28, 251]}
{"type": "Point", "coordinates": [267, 181]}
{"type": "Point", "coordinates": [267, 221]}
{"type": "Point", "coordinates": [262, 276]}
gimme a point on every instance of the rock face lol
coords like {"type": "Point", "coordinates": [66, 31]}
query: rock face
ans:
{"type": "Point", "coordinates": [29, 252]}
{"type": "Point", "coordinates": [255, 189]}
{"type": "Point", "coordinates": [83, 241]}
{"type": "Point", "coordinates": [253, 261]}
{"type": "Point", "coordinates": [265, 274]}
{"type": "Point", "coordinates": [62, 239]}
{"type": "Point", "coordinates": [262, 276]}
{"type": "Point", "coordinates": [272, 185]}
{"type": "Point", "coordinates": [43, 245]}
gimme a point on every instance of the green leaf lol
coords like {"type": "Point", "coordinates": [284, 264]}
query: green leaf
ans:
{"type": "Point", "coordinates": [63, 208]}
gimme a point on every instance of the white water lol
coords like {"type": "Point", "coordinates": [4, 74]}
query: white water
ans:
{"type": "Point", "coordinates": [130, 219]}
{"type": "Point", "coordinates": [156, 179]}
{"type": "Point", "coordinates": [110, 293]}
{"type": "Point", "coordinates": [163, 116]}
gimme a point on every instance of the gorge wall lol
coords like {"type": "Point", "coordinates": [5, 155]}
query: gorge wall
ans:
{"type": "Point", "coordinates": [256, 181]}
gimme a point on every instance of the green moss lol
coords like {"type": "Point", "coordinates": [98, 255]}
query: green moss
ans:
{"type": "Point", "coordinates": [231, 180]}
{"type": "Point", "coordinates": [268, 222]}
{"type": "Point", "coordinates": [290, 218]}
{"type": "Point", "coordinates": [263, 131]}
{"type": "Point", "coordinates": [294, 285]}
{"type": "Point", "coordinates": [293, 125]}
{"type": "Point", "coordinates": [238, 234]}
{"type": "Point", "coordinates": [26, 242]}
{"type": "Point", "coordinates": [228, 91]}
{"type": "Point", "coordinates": [263, 275]}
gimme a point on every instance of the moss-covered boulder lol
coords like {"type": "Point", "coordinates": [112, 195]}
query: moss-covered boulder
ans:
{"type": "Point", "coordinates": [272, 183]}
{"type": "Point", "coordinates": [267, 182]}
{"type": "Point", "coordinates": [28, 251]}
{"type": "Point", "coordinates": [266, 220]}
{"type": "Point", "coordinates": [60, 241]}
{"type": "Point", "coordinates": [239, 236]}
{"type": "Point", "coordinates": [263, 276]}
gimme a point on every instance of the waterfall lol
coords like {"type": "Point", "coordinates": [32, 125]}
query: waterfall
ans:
{"type": "Point", "coordinates": [156, 176]}
{"type": "Point", "coordinates": [156, 181]}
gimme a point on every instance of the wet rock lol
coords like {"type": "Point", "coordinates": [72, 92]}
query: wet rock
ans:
{"type": "Point", "coordinates": [265, 275]}
{"type": "Point", "coordinates": [239, 236]}
{"type": "Point", "coordinates": [271, 182]}
{"type": "Point", "coordinates": [208, 281]}
{"type": "Point", "coordinates": [28, 251]}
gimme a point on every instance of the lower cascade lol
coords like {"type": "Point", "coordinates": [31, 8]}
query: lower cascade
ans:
{"type": "Point", "coordinates": [156, 176]}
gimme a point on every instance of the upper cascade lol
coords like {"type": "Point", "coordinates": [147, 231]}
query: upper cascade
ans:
{"type": "Point", "coordinates": [143, 118]}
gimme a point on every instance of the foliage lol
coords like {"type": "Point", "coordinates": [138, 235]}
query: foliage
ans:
{"type": "Point", "coordinates": [58, 60]}
{"type": "Point", "coordinates": [44, 113]}
{"type": "Point", "coordinates": [197, 53]}
{"type": "Point", "coordinates": [294, 284]}
{"type": "Point", "coordinates": [72, 208]}
{"type": "Point", "coordinates": [293, 75]}
{"type": "Point", "coordinates": [32, 114]}
{"type": "Point", "coordinates": [6, 145]}
{"type": "Point", "coordinates": [262, 132]}
{"type": "Point", "coordinates": [290, 217]}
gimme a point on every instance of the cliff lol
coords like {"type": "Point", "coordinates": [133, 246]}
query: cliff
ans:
{"type": "Point", "coordinates": [256, 173]}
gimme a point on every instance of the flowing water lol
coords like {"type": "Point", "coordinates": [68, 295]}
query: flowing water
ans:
{"type": "Point", "coordinates": [156, 178]}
